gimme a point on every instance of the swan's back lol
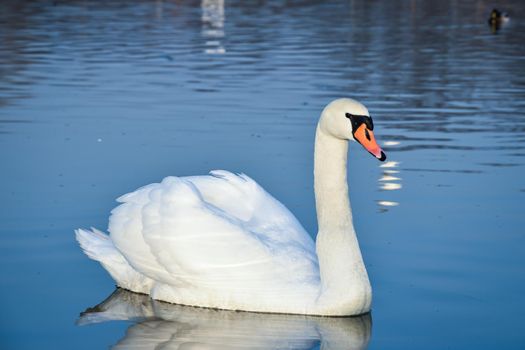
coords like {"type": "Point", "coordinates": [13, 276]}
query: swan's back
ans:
{"type": "Point", "coordinates": [216, 240]}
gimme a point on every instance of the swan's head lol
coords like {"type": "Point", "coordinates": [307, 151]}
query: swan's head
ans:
{"type": "Point", "coordinates": [348, 119]}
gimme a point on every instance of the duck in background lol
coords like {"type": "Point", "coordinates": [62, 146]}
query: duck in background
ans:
{"type": "Point", "coordinates": [497, 19]}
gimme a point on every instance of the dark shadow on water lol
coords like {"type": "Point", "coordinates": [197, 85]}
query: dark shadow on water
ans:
{"type": "Point", "coordinates": [158, 324]}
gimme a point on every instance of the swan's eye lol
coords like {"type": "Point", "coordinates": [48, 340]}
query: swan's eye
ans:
{"type": "Point", "coordinates": [357, 120]}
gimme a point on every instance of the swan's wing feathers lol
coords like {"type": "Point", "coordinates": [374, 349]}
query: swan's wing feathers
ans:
{"type": "Point", "coordinates": [126, 226]}
{"type": "Point", "coordinates": [199, 244]}
{"type": "Point", "coordinates": [219, 231]}
{"type": "Point", "coordinates": [263, 215]}
{"type": "Point", "coordinates": [243, 198]}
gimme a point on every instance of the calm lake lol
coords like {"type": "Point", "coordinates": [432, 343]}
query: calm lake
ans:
{"type": "Point", "coordinates": [100, 98]}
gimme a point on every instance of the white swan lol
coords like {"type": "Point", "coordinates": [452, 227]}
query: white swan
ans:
{"type": "Point", "coordinates": [221, 241]}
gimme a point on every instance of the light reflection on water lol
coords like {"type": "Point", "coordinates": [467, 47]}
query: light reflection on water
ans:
{"type": "Point", "coordinates": [97, 100]}
{"type": "Point", "coordinates": [390, 180]}
{"type": "Point", "coordinates": [213, 25]}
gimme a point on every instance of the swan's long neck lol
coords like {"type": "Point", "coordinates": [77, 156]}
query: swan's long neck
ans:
{"type": "Point", "coordinates": [343, 274]}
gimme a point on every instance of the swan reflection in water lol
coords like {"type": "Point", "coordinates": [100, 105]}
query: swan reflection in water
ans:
{"type": "Point", "coordinates": [185, 327]}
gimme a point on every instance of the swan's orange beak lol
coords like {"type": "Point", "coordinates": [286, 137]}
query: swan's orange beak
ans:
{"type": "Point", "coordinates": [366, 138]}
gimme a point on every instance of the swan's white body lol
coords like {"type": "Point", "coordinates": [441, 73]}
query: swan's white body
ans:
{"type": "Point", "coordinates": [222, 241]}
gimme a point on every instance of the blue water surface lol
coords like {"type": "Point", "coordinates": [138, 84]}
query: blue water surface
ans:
{"type": "Point", "coordinates": [100, 98]}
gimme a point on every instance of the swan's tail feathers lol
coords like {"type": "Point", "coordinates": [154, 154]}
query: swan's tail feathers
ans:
{"type": "Point", "coordinates": [98, 246]}
{"type": "Point", "coordinates": [95, 244]}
